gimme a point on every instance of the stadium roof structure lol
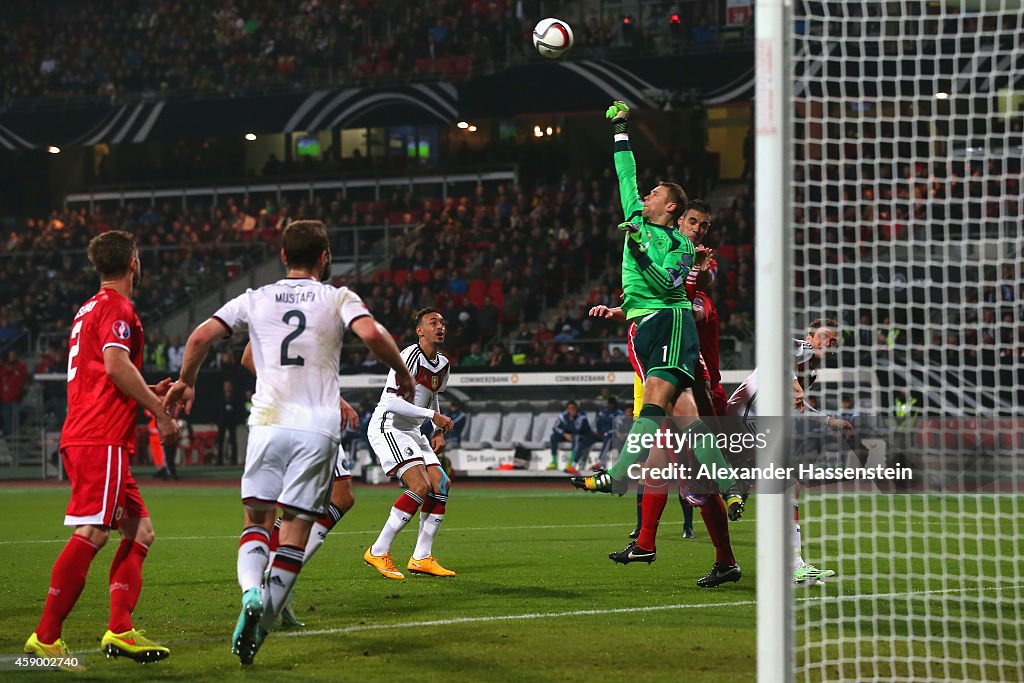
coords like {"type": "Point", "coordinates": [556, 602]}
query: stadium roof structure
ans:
{"type": "Point", "coordinates": [536, 88]}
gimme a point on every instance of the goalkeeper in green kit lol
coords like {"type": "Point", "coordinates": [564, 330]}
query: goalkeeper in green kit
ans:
{"type": "Point", "coordinates": [656, 258]}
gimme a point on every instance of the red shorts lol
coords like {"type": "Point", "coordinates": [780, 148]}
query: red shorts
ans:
{"type": "Point", "coordinates": [103, 490]}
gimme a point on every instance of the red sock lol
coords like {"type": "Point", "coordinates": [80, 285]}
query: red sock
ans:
{"type": "Point", "coordinates": [653, 504]}
{"type": "Point", "coordinates": [66, 583]}
{"type": "Point", "coordinates": [408, 503]}
{"type": "Point", "coordinates": [717, 523]}
{"type": "Point", "coordinates": [432, 506]}
{"type": "Point", "coordinates": [125, 583]}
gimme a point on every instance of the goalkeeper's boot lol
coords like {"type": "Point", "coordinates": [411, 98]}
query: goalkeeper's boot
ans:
{"type": "Point", "coordinates": [428, 565]}
{"type": "Point", "coordinates": [133, 644]}
{"type": "Point", "coordinates": [633, 553]}
{"type": "Point", "coordinates": [719, 574]}
{"type": "Point", "coordinates": [600, 481]}
{"type": "Point", "coordinates": [57, 651]}
{"type": "Point", "coordinates": [288, 618]}
{"type": "Point", "coordinates": [553, 465]}
{"type": "Point", "coordinates": [635, 533]}
{"type": "Point", "coordinates": [809, 574]}
{"type": "Point", "coordinates": [248, 635]}
{"type": "Point", "coordinates": [383, 564]}
{"type": "Point", "coordinates": [688, 533]}
{"type": "Point", "coordinates": [735, 498]}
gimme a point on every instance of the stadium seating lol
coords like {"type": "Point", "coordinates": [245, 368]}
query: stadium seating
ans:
{"type": "Point", "coordinates": [483, 431]}
{"type": "Point", "coordinates": [540, 435]}
{"type": "Point", "coordinates": [515, 429]}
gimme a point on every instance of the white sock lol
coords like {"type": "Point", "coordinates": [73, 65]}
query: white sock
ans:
{"type": "Point", "coordinates": [429, 526]}
{"type": "Point", "coordinates": [253, 556]}
{"type": "Point", "coordinates": [798, 559]}
{"type": "Point", "coordinates": [280, 582]}
{"type": "Point", "coordinates": [317, 534]}
{"type": "Point", "coordinates": [397, 520]}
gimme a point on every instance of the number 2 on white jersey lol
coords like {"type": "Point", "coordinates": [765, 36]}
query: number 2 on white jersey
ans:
{"type": "Point", "coordinates": [75, 342]}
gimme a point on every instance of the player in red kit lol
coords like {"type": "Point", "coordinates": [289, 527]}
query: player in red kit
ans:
{"type": "Point", "coordinates": [105, 389]}
{"type": "Point", "coordinates": [712, 509]}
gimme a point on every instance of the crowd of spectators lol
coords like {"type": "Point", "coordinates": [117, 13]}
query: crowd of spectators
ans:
{"type": "Point", "coordinates": [492, 260]}
{"type": "Point", "coordinates": [110, 49]}
{"type": "Point", "coordinates": [45, 274]}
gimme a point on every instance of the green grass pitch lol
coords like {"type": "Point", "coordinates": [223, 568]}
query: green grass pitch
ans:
{"type": "Point", "coordinates": [929, 588]}
{"type": "Point", "coordinates": [536, 597]}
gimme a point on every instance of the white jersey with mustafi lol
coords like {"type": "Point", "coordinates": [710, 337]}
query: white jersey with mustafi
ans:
{"type": "Point", "coordinates": [295, 327]}
{"type": "Point", "coordinates": [743, 402]}
{"type": "Point", "coordinates": [430, 377]}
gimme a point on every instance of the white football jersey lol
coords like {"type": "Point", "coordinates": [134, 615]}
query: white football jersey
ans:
{"type": "Point", "coordinates": [742, 403]}
{"type": "Point", "coordinates": [430, 378]}
{"type": "Point", "coordinates": [295, 327]}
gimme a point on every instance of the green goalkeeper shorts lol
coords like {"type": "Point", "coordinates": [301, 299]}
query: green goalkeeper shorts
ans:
{"type": "Point", "coordinates": [666, 346]}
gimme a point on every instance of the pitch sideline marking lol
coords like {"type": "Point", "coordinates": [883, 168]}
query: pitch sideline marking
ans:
{"type": "Point", "coordinates": [448, 530]}
{"type": "Point", "coordinates": [622, 610]}
{"type": "Point", "coordinates": [353, 532]}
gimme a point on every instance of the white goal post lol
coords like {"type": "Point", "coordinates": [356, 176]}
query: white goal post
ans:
{"type": "Point", "coordinates": [889, 146]}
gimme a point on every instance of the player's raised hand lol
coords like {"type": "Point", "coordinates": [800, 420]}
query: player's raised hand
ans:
{"type": "Point", "coordinates": [442, 422]}
{"type": "Point", "coordinates": [618, 111]}
{"type": "Point", "coordinates": [179, 395]}
{"type": "Point", "coordinates": [406, 388]}
{"type": "Point", "coordinates": [349, 416]}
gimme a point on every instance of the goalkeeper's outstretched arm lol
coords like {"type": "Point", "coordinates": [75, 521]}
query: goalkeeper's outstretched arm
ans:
{"type": "Point", "coordinates": [625, 164]}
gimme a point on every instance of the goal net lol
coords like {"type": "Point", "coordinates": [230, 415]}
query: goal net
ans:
{"type": "Point", "coordinates": [906, 209]}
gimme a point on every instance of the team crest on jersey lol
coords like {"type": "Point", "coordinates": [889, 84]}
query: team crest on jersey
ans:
{"type": "Point", "coordinates": [428, 379]}
{"type": "Point", "coordinates": [121, 329]}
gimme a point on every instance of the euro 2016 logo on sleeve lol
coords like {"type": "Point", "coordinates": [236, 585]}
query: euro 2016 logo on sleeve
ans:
{"type": "Point", "coordinates": [121, 330]}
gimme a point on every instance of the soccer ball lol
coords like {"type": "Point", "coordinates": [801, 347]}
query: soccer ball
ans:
{"type": "Point", "coordinates": [552, 37]}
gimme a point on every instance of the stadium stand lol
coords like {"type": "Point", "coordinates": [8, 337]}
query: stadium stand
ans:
{"type": "Point", "coordinates": [70, 49]}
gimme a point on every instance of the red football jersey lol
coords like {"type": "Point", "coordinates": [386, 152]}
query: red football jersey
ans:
{"type": "Point", "coordinates": [98, 412]}
{"type": "Point", "coordinates": [707, 334]}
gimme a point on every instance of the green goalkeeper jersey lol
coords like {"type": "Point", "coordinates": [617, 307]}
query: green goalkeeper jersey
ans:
{"type": "Point", "coordinates": [653, 276]}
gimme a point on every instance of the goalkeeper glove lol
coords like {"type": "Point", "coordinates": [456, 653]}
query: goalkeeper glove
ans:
{"type": "Point", "coordinates": [631, 229]}
{"type": "Point", "coordinates": [635, 234]}
{"type": "Point", "coordinates": [618, 110]}
{"type": "Point", "coordinates": [619, 115]}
